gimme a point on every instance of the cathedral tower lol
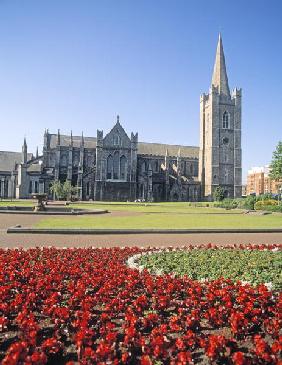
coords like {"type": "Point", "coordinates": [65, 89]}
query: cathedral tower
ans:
{"type": "Point", "coordinates": [220, 161]}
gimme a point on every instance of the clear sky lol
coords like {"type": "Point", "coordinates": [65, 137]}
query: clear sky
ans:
{"type": "Point", "coordinates": [76, 64]}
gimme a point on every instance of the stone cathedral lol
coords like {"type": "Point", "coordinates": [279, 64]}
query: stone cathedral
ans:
{"type": "Point", "coordinates": [116, 166]}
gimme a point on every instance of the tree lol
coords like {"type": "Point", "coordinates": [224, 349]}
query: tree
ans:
{"type": "Point", "coordinates": [218, 194]}
{"type": "Point", "coordinates": [57, 189]}
{"type": "Point", "coordinates": [276, 167]}
{"type": "Point", "coordinates": [63, 191]}
{"type": "Point", "coordinates": [69, 190]}
{"type": "Point", "coordinates": [276, 163]}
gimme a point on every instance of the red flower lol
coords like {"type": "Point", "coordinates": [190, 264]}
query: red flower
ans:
{"type": "Point", "coordinates": [238, 358]}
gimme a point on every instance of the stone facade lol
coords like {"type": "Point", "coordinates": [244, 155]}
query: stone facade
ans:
{"type": "Point", "coordinates": [119, 167]}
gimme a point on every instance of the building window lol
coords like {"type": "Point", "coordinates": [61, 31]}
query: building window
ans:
{"type": "Point", "coordinates": [109, 167]}
{"type": "Point", "coordinates": [87, 188]}
{"type": "Point", "coordinates": [116, 140]}
{"type": "Point", "coordinates": [156, 166]}
{"type": "Point", "coordinates": [36, 187]}
{"type": "Point", "coordinates": [116, 165]}
{"type": "Point", "coordinates": [30, 187]}
{"type": "Point", "coordinates": [143, 167]}
{"type": "Point", "coordinates": [89, 160]}
{"type": "Point", "coordinates": [64, 160]}
{"type": "Point", "coordinates": [225, 120]}
{"type": "Point", "coordinates": [225, 140]}
{"type": "Point", "coordinates": [123, 163]}
{"type": "Point", "coordinates": [76, 160]}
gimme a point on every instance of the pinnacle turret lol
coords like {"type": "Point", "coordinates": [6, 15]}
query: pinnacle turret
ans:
{"type": "Point", "coordinates": [219, 77]}
{"type": "Point", "coordinates": [24, 151]}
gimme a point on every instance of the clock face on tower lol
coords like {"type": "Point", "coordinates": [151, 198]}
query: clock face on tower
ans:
{"type": "Point", "coordinates": [225, 140]}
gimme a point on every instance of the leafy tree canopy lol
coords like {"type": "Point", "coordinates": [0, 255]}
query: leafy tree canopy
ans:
{"type": "Point", "coordinates": [276, 163]}
{"type": "Point", "coordinates": [63, 190]}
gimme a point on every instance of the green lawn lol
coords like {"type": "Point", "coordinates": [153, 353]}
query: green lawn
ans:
{"type": "Point", "coordinates": [166, 220]}
{"type": "Point", "coordinates": [154, 207]}
{"type": "Point", "coordinates": [157, 215]}
{"type": "Point", "coordinates": [22, 203]}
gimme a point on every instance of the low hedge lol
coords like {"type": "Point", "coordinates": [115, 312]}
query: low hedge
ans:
{"type": "Point", "coordinates": [271, 208]}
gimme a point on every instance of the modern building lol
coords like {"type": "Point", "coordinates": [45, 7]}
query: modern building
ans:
{"type": "Point", "coordinates": [259, 181]}
{"type": "Point", "coordinates": [117, 166]}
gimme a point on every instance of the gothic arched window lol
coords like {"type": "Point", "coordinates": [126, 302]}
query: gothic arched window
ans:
{"type": "Point", "coordinates": [225, 120]}
{"type": "Point", "coordinates": [64, 160]}
{"type": "Point", "coordinates": [143, 167]}
{"type": "Point", "coordinates": [116, 140]}
{"type": "Point", "coordinates": [116, 165]}
{"type": "Point", "coordinates": [123, 163]}
{"type": "Point", "coordinates": [76, 160]}
{"type": "Point", "coordinates": [109, 167]}
{"type": "Point", "coordinates": [156, 166]}
{"type": "Point", "coordinates": [191, 169]}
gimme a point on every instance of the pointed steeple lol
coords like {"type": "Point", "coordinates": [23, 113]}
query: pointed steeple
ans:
{"type": "Point", "coordinates": [178, 158]}
{"type": "Point", "coordinates": [219, 77]}
{"type": "Point", "coordinates": [37, 155]}
{"type": "Point", "coordinates": [71, 140]}
{"type": "Point", "coordinates": [82, 140]}
{"type": "Point", "coordinates": [58, 138]}
{"type": "Point", "coordinates": [24, 151]}
{"type": "Point", "coordinates": [166, 159]}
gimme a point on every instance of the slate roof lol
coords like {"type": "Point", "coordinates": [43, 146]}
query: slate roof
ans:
{"type": "Point", "coordinates": [144, 148]}
{"type": "Point", "coordinates": [159, 149]}
{"type": "Point", "coordinates": [89, 142]}
{"type": "Point", "coordinates": [35, 167]}
{"type": "Point", "coordinates": [8, 160]}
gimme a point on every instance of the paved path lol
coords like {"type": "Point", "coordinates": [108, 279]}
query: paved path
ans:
{"type": "Point", "coordinates": [31, 240]}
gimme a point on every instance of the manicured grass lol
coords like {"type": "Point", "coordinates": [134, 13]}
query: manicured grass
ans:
{"type": "Point", "coordinates": [22, 203]}
{"type": "Point", "coordinates": [155, 208]}
{"type": "Point", "coordinates": [156, 215]}
{"type": "Point", "coordinates": [253, 266]}
{"type": "Point", "coordinates": [167, 220]}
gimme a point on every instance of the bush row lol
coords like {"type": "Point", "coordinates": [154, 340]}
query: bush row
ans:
{"type": "Point", "coordinates": [261, 202]}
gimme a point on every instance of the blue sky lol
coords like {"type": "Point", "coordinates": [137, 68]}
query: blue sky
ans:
{"type": "Point", "coordinates": [76, 64]}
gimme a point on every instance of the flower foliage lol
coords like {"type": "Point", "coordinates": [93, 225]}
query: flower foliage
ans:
{"type": "Point", "coordinates": [70, 306]}
{"type": "Point", "coordinates": [254, 266]}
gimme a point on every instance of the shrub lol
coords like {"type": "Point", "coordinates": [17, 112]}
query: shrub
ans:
{"type": "Point", "coordinates": [227, 204]}
{"type": "Point", "coordinates": [267, 196]}
{"type": "Point", "coordinates": [218, 194]}
{"type": "Point", "coordinates": [261, 204]}
{"type": "Point", "coordinates": [268, 205]}
{"type": "Point", "coordinates": [249, 202]}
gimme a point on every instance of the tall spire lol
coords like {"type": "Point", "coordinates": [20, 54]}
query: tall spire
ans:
{"type": "Point", "coordinates": [82, 139]}
{"type": "Point", "coordinates": [219, 77]}
{"type": "Point", "coordinates": [24, 151]}
{"type": "Point", "coordinates": [58, 138]}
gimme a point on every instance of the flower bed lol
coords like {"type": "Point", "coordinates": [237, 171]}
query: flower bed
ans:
{"type": "Point", "coordinates": [87, 306]}
{"type": "Point", "coordinates": [252, 266]}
